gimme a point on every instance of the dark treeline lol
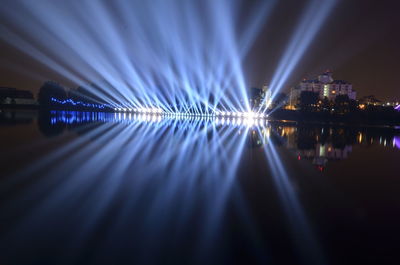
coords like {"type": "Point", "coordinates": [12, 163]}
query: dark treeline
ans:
{"type": "Point", "coordinates": [311, 108]}
{"type": "Point", "coordinates": [310, 102]}
{"type": "Point", "coordinates": [54, 96]}
{"type": "Point", "coordinates": [374, 115]}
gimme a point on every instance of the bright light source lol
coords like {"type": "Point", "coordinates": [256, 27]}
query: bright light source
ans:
{"type": "Point", "coordinates": [215, 113]}
{"type": "Point", "coordinates": [249, 114]}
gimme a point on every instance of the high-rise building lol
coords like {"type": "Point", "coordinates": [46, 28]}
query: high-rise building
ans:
{"type": "Point", "coordinates": [325, 86]}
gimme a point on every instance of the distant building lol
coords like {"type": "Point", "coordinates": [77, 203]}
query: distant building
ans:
{"type": "Point", "coordinates": [391, 104]}
{"type": "Point", "coordinates": [370, 100]}
{"type": "Point", "coordinates": [10, 95]}
{"type": "Point", "coordinates": [325, 86]}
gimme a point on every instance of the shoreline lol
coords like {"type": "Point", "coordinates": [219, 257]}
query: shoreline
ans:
{"type": "Point", "coordinates": [360, 118]}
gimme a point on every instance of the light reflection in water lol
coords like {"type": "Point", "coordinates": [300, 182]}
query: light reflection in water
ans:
{"type": "Point", "coordinates": [149, 170]}
{"type": "Point", "coordinates": [143, 176]}
{"type": "Point", "coordinates": [397, 141]}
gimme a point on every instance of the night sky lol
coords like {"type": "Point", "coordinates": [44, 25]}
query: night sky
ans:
{"type": "Point", "coordinates": [359, 42]}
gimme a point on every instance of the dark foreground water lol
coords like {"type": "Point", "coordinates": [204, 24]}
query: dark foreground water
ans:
{"type": "Point", "coordinates": [93, 188]}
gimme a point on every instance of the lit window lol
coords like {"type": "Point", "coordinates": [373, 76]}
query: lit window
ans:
{"type": "Point", "coordinates": [326, 90]}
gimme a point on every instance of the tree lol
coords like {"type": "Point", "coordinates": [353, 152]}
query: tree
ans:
{"type": "Point", "coordinates": [308, 100]}
{"type": "Point", "coordinates": [255, 97]}
{"type": "Point", "coordinates": [326, 104]}
{"type": "Point", "coordinates": [51, 90]}
{"type": "Point", "coordinates": [280, 99]}
{"type": "Point", "coordinates": [371, 99]}
{"type": "Point", "coordinates": [342, 104]}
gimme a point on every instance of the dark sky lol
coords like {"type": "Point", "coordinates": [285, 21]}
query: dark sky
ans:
{"type": "Point", "coordinates": [359, 41]}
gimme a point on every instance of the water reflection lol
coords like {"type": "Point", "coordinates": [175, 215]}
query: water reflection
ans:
{"type": "Point", "coordinates": [309, 140]}
{"type": "Point", "coordinates": [10, 118]}
{"type": "Point", "coordinates": [396, 141]}
{"type": "Point", "coordinates": [149, 178]}
{"type": "Point", "coordinates": [321, 144]}
{"type": "Point", "coordinates": [314, 142]}
{"type": "Point", "coordinates": [151, 187]}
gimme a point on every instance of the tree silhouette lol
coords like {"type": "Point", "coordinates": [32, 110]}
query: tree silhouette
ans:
{"type": "Point", "coordinates": [51, 90]}
{"type": "Point", "coordinates": [280, 99]}
{"type": "Point", "coordinates": [343, 104]}
{"type": "Point", "coordinates": [308, 100]}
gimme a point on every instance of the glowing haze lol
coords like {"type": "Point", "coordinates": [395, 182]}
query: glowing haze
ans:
{"type": "Point", "coordinates": [141, 52]}
{"type": "Point", "coordinates": [174, 55]}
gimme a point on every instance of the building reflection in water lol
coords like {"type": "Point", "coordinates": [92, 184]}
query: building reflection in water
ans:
{"type": "Point", "coordinates": [10, 118]}
{"type": "Point", "coordinates": [318, 143]}
{"type": "Point", "coordinates": [125, 166]}
{"type": "Point", "coordinates": [321, 144]}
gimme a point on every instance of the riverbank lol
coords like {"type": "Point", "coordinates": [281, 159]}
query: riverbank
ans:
{"type": "Point", "coordinates": [364, 117]}
{"type": "Point", "coordinates": [11, 107]}
{"type": "Point", "coordinates": [384, 117]}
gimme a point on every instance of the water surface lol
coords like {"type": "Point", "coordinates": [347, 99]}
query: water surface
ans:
{"type": "Point", "coordinates": [90, 188]}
